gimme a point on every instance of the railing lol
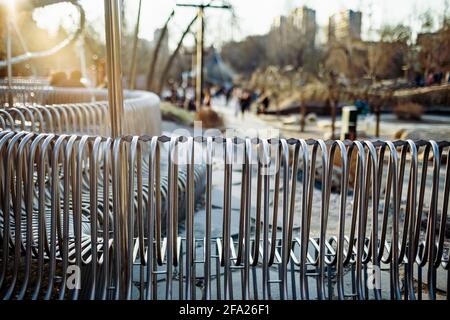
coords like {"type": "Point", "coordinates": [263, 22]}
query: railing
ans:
{"type": "Point", "coordinates": [25, 81]}
{"type": "Point", "coordinates": [76, 110]}
{"type": "Point", "coordinates": [281, 219]}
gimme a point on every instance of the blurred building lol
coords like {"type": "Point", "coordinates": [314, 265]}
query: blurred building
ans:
{"type": "Point", "coordinates": [433, 50]}
{"type": "Point", "coordinates": [279, 33]}
{"type": "Point", "coordinates": [303, 19]}
{"type": "Point", "coordinates": [299, 26]}
{"type": "Point", "coordinates": [345, 25]}
{"type": "Point", "coordinates": [279, 22]}
{"type": "Point", "coordinates": [280, 28]}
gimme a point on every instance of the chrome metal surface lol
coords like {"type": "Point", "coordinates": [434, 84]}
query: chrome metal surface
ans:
{"type": "Point", "coordinates": [114, 66]}
{"type": "Point", "coordinates": [41, 108]}
{"type": "Point", "coordinates": [315, 228]}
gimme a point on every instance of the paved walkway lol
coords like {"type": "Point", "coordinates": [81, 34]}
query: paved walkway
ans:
{"type": "Point", "coordinates": [250, 120]}
{"type": "Point", "coordinates": [239, 121]}
{"type": "Point", "coordinates": [431, 126]}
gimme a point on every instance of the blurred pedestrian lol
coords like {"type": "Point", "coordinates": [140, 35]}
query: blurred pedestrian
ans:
{"type": "Point", "coordinates": [58, 79]}
{"type": "Point", "coordinates": [228, 90]}
{"type": "Point", "coordinates": [207, 97]}
{"type": "Point", "coordinates": [437, 77]}
{"type": "Point", "coordinates": [74, 80]}
{"type": "Point", "coordinates": [245, 101]}
{"type": "Point", "coordinates": [430, 79]}
{"type": "Point", "coordinates": [234, 102]}
{"type": "Point", "coordinates": [263, 102]}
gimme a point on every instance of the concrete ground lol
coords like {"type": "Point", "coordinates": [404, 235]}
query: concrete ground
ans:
{"type": "Point", "coordinates": [436, 127]}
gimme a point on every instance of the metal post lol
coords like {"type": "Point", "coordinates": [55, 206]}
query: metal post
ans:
{"type": "Point", "coordinates": [200, 38]}
{"type": "Point", "coordinates": [9, 57]}
{"type": "Point", "coordinates": [116, 113]}
{"type": "Point", "coordinates": [199, 73]}
{"type": "Point", "coordinates": [113, 66]}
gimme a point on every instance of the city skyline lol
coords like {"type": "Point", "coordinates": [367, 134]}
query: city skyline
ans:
{"type": "Point", "coordinates": [251, 22]}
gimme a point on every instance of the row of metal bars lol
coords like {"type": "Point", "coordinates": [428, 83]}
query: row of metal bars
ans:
{"type": "Point", "coordinates": [65, 203]}
{"type": "Point", "coordinates": [70, 110]}
{"type": "Point", "coordinates": [94, 203]}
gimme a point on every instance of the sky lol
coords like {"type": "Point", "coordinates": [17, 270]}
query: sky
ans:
{"type": "Point", "coordinates": [252, 16]}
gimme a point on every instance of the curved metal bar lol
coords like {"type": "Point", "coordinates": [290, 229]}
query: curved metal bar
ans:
{"type": "Point", "coordinates": [226, 237]}
{"type": "Point", "coordinates": [432, 218]}
{"type": "Point", "coordinates": [172, 214]}
{"type": "Point", "coordinates": [42, 234]}
{"type": "Point", "coordinates": [209, 170]}
{"type": "Point", "coordinates": [55, 213]}
{"type": "Point", "coordinates": [98, 205]}
{"type": "Point", "coordinates": [66, 42]}
{"type": "Point", "coordinates": [29, 216]}
{"type": "Point", "coordinates": [69, 170]}
{"type": "Point", "coordinates": [372, 165]}
{"type": "Point", "coordinates": [17, 202]}
{"type": "Point", "coordinates": [94, 149]}
{"type": "Point", "coordinates": [338, 145]}
{"type": "Point", "coordinates": [275, 203]}
{"type": "Point", "coordinates": [395, 282]}
{"type": "Point", "coordinates": [106, 217]}
{"type": "Point", "coordinates": [117, 215]}
{"type": "Point", "coordinates": [411, 212]}
{"type": "Point", "coordinates": [285, 236]}
{"type": "Point", "coordinates": [190, 239]}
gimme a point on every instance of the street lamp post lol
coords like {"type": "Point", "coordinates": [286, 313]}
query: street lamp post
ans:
{"type": "Point", "coordinates": [199, 73]}
{"type": "Point", "coordinates": [200, 46]}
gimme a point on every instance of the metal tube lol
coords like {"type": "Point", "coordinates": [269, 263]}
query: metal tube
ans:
{"type": "Point", "coordinates": [62, 207]}
{"type": "Point", "coordinates": [199, 72]}
{"type": "Point", "coordinates": [9, 57]}
{"type": "Point", "coordinates": [114, 66]}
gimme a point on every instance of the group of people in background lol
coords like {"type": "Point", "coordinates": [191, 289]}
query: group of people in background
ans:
{"type": "Point", "coordinates": [60, 79]}
{"type": "Point", "coordinates": [237, 98]}
{"type": "Point", "coordinates": [241, 100]}
{"type": "Point", "coordinates": [432, 78]}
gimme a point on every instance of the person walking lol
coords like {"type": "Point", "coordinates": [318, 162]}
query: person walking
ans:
{"type": "Point", "coordinates": [245, 101]}
{"type": "Point", "coordinates": [263, 103]}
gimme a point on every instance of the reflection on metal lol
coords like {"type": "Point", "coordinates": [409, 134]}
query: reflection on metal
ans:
{"type": "Point", "coordinates": [24, 5]}
{"type": "Point", "coordinates": [61, 209]}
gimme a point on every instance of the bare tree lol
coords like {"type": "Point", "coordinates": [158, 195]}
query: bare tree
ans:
{"type": "Point", "coordinates": [174, 54]}
{"type": "Point", "coordinates": [132, 76]}
{"type": "Point", "coordinates": [386, 57]}
{"type": "Point", "coordinates": [434, 49]}
{"type": "Point", "coordinates": [151, 71]}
